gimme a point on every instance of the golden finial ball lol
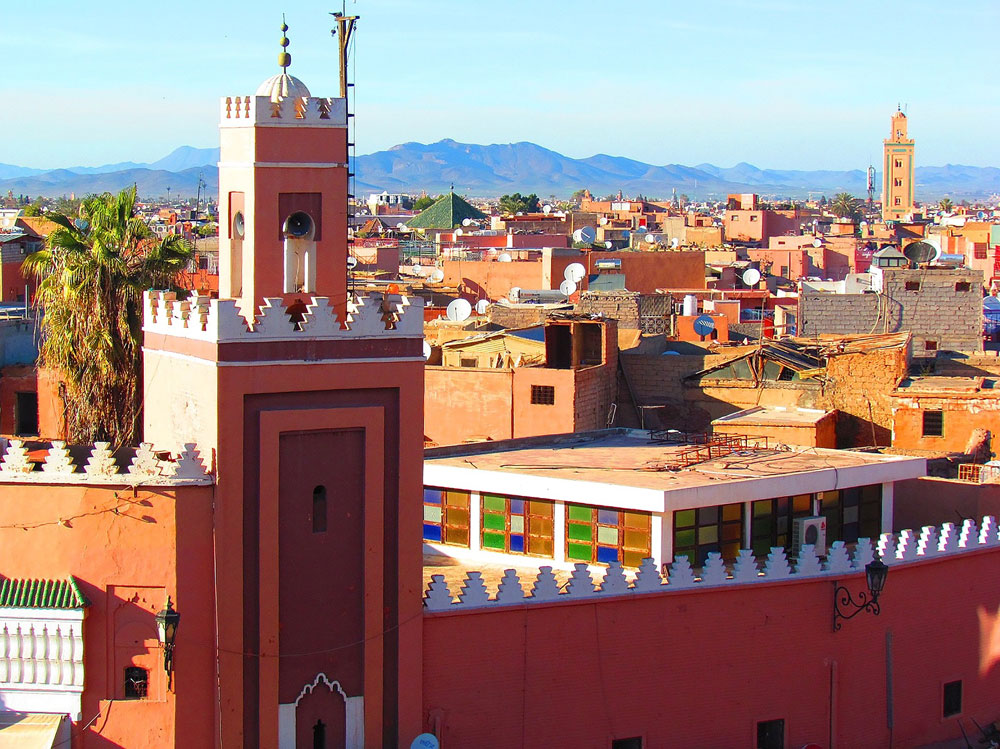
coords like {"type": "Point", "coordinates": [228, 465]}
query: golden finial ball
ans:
{"type": "Point", "coordinates": [284, 41]}
{"type": "Point", "coordinates": [284, 28]}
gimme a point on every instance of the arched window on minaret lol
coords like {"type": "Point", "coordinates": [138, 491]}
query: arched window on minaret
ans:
{"type": "Point", "coordinates": [319, 509]}
{"type": "Point", "coordinates": [319, 735]}
{"type": "Point", "coordinates": [299, 231]}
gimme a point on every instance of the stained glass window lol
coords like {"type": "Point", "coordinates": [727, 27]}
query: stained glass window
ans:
{"type": "Point", "coordinates": [446, 516]}
{"type": "Point", "coordinates": [699, 531]}
{"type": "Point", "coordinates": [516, 525]}
{"type": "Point", "coordinates": [596, 534]}
{"type": "Point", "coordinates": [771, 521]}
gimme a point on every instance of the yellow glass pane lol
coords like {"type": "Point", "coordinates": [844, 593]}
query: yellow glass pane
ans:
{"type": "Point", "coordinates": [636, 540]}
{"type": "Point", "coordinates": [457, 517]}
{"type": "Point", "coordinates": [540, 507]}
{"type": "Point", "coordinates": [540, 526]}
{"type": "Point", "coordinates": [540, 547]}
{"type": "Point", "coordinates": [633, 558]}
{"type": "Point", "coordinates": [456, 499]}
{"type": "Point", "coordinates": [638, 520]}
{"type": "Point", "coordinates": [732, 512]}
{"type": "Point", "coordinates": [458, 536]}
{"type": "Point", "coordinates": [802, 503]}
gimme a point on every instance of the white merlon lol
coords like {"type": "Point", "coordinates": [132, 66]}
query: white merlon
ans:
{"type": "Point", "coordinates": [221, 321]}
{"type": "Point", "coordinates": [309, 111]}
{"type": "Point", "coordinates": [908, 548]}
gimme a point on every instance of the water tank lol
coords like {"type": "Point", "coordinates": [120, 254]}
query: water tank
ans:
{"type": "Point", "coordinates": [690, 306]}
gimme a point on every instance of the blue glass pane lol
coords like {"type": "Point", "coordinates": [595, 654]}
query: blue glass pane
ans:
{"type": "Point", "coordinates": [516, 506]}
{"type": "Point", "coordinates": [432, 495]}
{"type": "Point", "coordinates": [432, 532]}
{"type": "Point", "coordinates": [517, 543]}
{"type": "Point", "coordinates": [607, 554]}
{"type": "Point", "coordinates": [607, 517]}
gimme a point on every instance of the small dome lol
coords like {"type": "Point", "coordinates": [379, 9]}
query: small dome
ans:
{"type": "Point", "coordinates": [282, 86]}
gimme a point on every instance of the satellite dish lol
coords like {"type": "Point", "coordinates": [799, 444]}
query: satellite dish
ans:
{"type": "Point", "coordinates": [817, 242]}
{"type": "Point", "coordinates": [458, 232]}
{"type": "Point", "coordinates": [427, 351]}
{"type": "Point", "coordinates": [704, 325]}
{"type": "Point", "coordinates": [546, 209]}
{"type": "Point", "coordinates": [608, 245]}
{"type": "Point", "coordinates": [417, 270]}
{"type": "Point", "coordinates": [352, 262]}
{"type": "Point", "coordinates": [574, 272]}
{"type": "Point", "coordinates": [466, 222]}
{"type": "Point", "coordinates": [425, 741]}
{"type": "Point", "coordinates": [567, 288]}
{"type": "Point", "coordinates": [514, 294]}
{"type": "Point", "coordinates": [603, 221]}
{"type": "Point", "coordinates": [588, 234]}
{"type": "Point", "coordinates": [751, 276]}
{"type": "Point", "coordinates": [675, 242]}
{"type": "Point", "coordinates": [482, 305]}
{"type": "Point", "coordinates": [437, 276]}
{"type": "Point", "coordinates": [650, 239]}
{"type": "Point", "coordinates": [458, 310]}
{"type": "Point", "coordinates": [504, 257]}
{"type": "Point", "coordinates": [921, 252]}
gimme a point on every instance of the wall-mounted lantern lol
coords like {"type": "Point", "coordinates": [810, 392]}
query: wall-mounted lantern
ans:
{"type": "Point", "coordinates": [844, 606]}
{"type": "Point", "coordinates": [166, 627]}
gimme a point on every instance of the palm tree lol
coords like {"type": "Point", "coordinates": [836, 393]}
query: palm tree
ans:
{"type": "Point", "coordinates": [91, 276]}
{"type": "Point", "coordinates": [844, 205]}
{"type": "Point", "coordinates": [946, 205]}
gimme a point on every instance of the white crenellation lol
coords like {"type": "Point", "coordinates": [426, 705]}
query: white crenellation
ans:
{"type": "Point", "coordinates": [438, 597]}
{"type": "Point", "coordinates": [546, 588]}
{"type": "Point", "coordinates": [15, 459]}
{"type": "Point", "coordinates": [510, 590]}
{"type": "Point", "coordinates": [307, 111]}
{"type": "Point", "coordinates": [838, 561]}
{"type": "Point", "coordinates": [222, 321]}
{"type": "Point", "coordinates": [776, 566]}
{"type": "Point", "coordinates": [614, 581]}
{"type": "Point", "coordinates": [714, 571]}
{"type": "Point", "coordinates": [906, 546]}
{"type": "Point", "coordinates": [473, 591]}
{"type": "Point", "coordinates": [58, 460]}
{"type": "Point", "coordinates": [864, 553]}
{"type": "Point", "coordinates": [988, 532]}
{"type": "Point", "coordinates": [948, 541]}
{"type": "Point", "coordinates": [145, 463]}
{"type": "Point", "coordinates": [580, 583]}
{"type": "Point", "coordinates": [969, 535]}
{"type": "Point", "coordinates": [101, 461]}
{"type": "Point", "coordinates": [886, 548]}
{"type": "Point", "coordinates": [647, 577]}
{"type": "Point", "coordinates": [745, 569]}
{"type": "Point", "coordinates": [927, 545]}
{"type": "Point", "coordinates": [807, 562]}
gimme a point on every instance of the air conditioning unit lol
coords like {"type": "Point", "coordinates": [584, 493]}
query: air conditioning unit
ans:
{"type": "Point", "coordinates": [811, 530]}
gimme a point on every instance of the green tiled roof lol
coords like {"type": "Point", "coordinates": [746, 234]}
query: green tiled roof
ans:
{"type": "Point", "coordinates": [42, 594]}
{"type": "Point", "coordinates": [448, 212]}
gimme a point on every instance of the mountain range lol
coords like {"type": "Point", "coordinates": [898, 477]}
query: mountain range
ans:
{"type": "Point", "coordinates": [492, 170]}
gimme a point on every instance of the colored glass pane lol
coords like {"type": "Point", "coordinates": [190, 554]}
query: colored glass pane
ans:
{"type": "Point", "coordinates": [851, 514]}
{"type": "Point", "coordinates": [432, 514]}
{"type": "Point", "coordinates": [635, 520]}
{"type": "Point", "coordinates": [732, 512]}
{"type": "Point", "coordinates": [494, 541]}
{"type": "Point", "coordinates": [517, 507]}
{"type": "Point", "coordinates": [762, 527]}
{"type": "Point", "coordinates": [607, 536]}
{"type": "Point", "coordinates": [684, 518]}
{"type": "Point", "coordinates": [459, 536]}
{"type": "Point", "coordinates": [762, 508]}
{"type": "Point", "coordinates": [432, 495]}
{"type": "Point", "coordinates": [458, 517]}
{"type": "Point", "coordinates": [578, 512]}
{"type": "Point", "coordinates": [432, 532]}
{"type": "Point", "coordinates": [578, 552]}
{"type": "Point", "coordinates": [495, 503]}
{"type": "Point", "coordinates": [540, 526]}
{"type": "Point", "coordinates": [517, 524]}
{"type": "Point", "coordinates": [578, 532]}
{"type": "Point", "coordinates": [607, 554]}
{"type": "Point", "coordinates": [708, 534]}
{"type": "Point", "coordinates": [607, 517]}
{"type": "Point", "coordinates": [732, 532]}
{"type": "Point", "coordinates": [636, 539]}
{"type": "Point", "coordinates": [802, 503]}
{"type": "Point", "coordinates": [456, 499]}
{"type": "Point", "coordinates": [684, 538]}
{"type": "Point", "coordinates": [517, 543]}
{"type": "Point", "coordinates": [708, 515]}
{"type": "Point", "coordinates": [538, 507]}
{"type": "Point", "coordinates": [633, 558]}
{"type": "Point", "coordinates": [494, 522]}
{"type": "Point", "coordinates": [730, 551]}
{"type": "Point", "coordinates": [541, 547]}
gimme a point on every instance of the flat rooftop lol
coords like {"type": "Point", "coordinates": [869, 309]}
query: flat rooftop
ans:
{"type": "Point", "coordinates": [950, 385]}
{"type": "Point", "coordinates": [629, 469]}
{"type": "Point", "coordinates": [774, 416]}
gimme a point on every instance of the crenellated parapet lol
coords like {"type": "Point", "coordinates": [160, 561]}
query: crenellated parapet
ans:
{"type": "Point", "coordinates": [905, 548]}
{"type": "Point", "coordinates": [58, 463]}
{"type": "Point", "coordinates": [315, 111]}
{"type": "Point", "coordinates": [221, 320]}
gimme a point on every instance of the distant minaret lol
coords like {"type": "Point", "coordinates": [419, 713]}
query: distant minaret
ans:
{"type": "Point", "coordinates": [897, 171]}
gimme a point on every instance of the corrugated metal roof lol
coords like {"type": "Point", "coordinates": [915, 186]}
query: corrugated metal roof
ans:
{"type": "Point", "coordinates": [42, 594]}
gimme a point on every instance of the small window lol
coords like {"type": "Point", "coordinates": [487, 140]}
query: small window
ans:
{"type": "Point", "coordinates": [933, 424]}
{"type": "Point", "coordinates": [753, 218]}
{"type": "Point", "coordinates": [771, 734]}
{"type": "Point", "coordinates": [734, 218]}
{"type": "Point", "coordinates": [633, 742]}
{"type": "Point", "coordinates": [963, 286]}
{"type": "Point", "coordinates": [913, 285]}
{"type": "Point", "coordinates": [468, 361]}
{"type": "Point", "coordinates": [952, 699]}
{"type": "Point", "coordinates": [319, 509]}
{"type": "Point", "coordinates": [930, 345]}
{"type": "Point", "coordinates": [319, 735]}
{"type": "Point", "coordinates": [899, 163]}
{"type": "Point", "coordinates": [543, 395]}
{"type": "Point", "coordinates": [26, 414]}
{"type": "Point", "coordinates": [898, 201]}
{"type": "Point", "coordinates": [897, 182]}
{"type": "Point", "coordinates": [136, 683]}
{"type": "Point", "coordinates": [979, 253]}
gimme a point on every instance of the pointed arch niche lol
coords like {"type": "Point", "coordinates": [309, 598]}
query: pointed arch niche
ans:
{"type": "Point", "coordinates": [322, 700]}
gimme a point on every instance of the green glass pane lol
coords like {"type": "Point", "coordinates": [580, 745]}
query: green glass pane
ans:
{"type": "Point", "coordinates": [578, 532]}
{"type": "Point", "coordinates": [494, 522]}
{"type": "Point", "coordinates": [708, 534]}
{"type": "Point", "coordinates": [578, 552]}
{"type": "Point", "coordinates": [607, 536]}
{"type": "Point", "coordinates": [578, 512]}
{"type": "Point", "coordinates": [762, 508]}
{"type": "Point", "coordinates": [517, 523]}
{"type": "Point", "coordinates": [684, 539]}
{"type": "Point", "coordinates": [762, 527]}
{"type": "Point", "coordinates": [494, 541]}
{"type": "Point", "coordinates": [432, 513]}
{"type": "Point", "coordinates": [493, 502]}
{"type": "Point", "coordinates": [683, 518]}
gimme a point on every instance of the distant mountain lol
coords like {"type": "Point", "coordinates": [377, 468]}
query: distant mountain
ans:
{"type": "Point", "coordinates": [491, 170]}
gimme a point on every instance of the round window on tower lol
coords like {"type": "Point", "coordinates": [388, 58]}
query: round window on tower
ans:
{"type": "Point", "coordinates": [239, 226]}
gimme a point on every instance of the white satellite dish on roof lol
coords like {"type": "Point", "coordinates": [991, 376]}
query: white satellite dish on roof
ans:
{"type": "Point", "coordinates": [608, 245]}
{"type": "Point", "coordinates": [481, 306]}
{"type": "Point", "coordinates": [504, 257]}
{"type": "Point", "coordinates": [427, 351]}
{"type": "Point", "coordinates": [817, 242]}
{"type": "Point", "coordinates": [458, 310]}
{"type": "Point", "coordinates": [417, 270]}
{"type": "Point", "coordinates": [675, 242]}
{"type": "Point", "coordinates": [567, 288]}
{"type": "Point", "coordinates": [546, 209]}
{"type": "Point", "coordinates": [603, 221]}
{"type": "Point", "coordinates": [459, 232]}
{"type": "Point", "coordinates": [574, 272]}
{"type": "Point", "coordinates": [514, 294]}
{"type": "Point", "coordinates": [352, 262]}
{"type": "Point", "coordinates": [751, 276]}
{"type": "Point", "coordinates": [437, 276]}
{"type": "Point", "coordinates": [651, 239]}
{"type": "Point", "coordinates": [466, 222]}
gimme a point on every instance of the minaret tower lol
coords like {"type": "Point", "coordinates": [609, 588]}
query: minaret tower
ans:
{"type": "Point", "coordinates": [308, 407]}
{"type": "Point", "coordinates": [897, 171]}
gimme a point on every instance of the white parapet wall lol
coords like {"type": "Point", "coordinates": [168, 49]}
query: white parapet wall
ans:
{"type": "Point", "coordinates": [906, 547]}
{"type": "Point", "coordinates": [311, 111]}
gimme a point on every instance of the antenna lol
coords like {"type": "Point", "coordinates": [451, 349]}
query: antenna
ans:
{"type": "Point", "coordinates": [343, 33]}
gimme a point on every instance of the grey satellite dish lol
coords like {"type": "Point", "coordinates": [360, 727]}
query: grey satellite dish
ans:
{"type": "Point", "coordinates": [427, 351]}
{"type": "Point", "coordinates": [458, 310]}
{"type": "Point", "coordinates": [514, 294]}
{"type": "Point", "coordinates": [437, 275]}
{"type": "Point", "coordinates": [588, 234]}
{"type": "Point", "coordinates": [751, 276]}
{"type": "Point", "coordinates": [352, 262]}
{"type": "Point", "coordinates": [567, 288]}
{"type": "Point", "coordinates": [574, 272]}
{"type": "Point", "coordinates": [482, 305]}
{"type": "Point", "coordinates": [921, 252]}
{"type": "Point", "coordinates": [504, 257]}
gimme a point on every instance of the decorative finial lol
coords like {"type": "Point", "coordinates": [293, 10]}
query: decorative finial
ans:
{"type": "Point", "coordinates": [284, 57]}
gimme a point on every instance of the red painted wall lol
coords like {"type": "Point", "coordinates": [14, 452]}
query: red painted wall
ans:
{"type": "Point", "coordinates": [699, 669]}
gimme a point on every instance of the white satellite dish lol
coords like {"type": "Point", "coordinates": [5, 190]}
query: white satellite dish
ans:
{"type": "Point", "coordinates": [817, 242]}
{"type": "Point", "coordinates": [417, 270]}
{"type": "Point", "coordinates": [574, 272]}
{"type": "Point", "coordinates": [751, 276]}
{"type": "Point", "coordinates": [514, 294]}
{"type": "Point", "coordinates": [352, 262]}
{"type": "Point", "coordinates": [437, 276]}
{"type": "Point", "coordinates": [675, 242]}
{"type": "Point", "coordinates": [546, 209]}
{"type": "Point", "coordinates": [567, 288]}
{"type": "Point", "coordinates": [481, 306]}
{"type": "Point", "coordinates": [459, 232]}
{"type": "Point", "coordinates": [466, 222]}
{"type": "Point", "coordinates": [608, 245]}
{"type": "Point", "coordinates": [603, 221]}
{"type": "Point", "coordinates": [458, 310]}
{"type": "Point", "coordinates": [651, 239]}
{"type": "Point", "coordinates": [504, 257]}
{"type": "Point", "coordinates": [427, 351]}
{"type": "Point", "coordinates": [588, 234]}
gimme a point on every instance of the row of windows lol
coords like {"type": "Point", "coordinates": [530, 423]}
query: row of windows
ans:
{"type": "Point", "coordinates": [516, 525]}
{"type": "Point", "coordinates": [960, 286]}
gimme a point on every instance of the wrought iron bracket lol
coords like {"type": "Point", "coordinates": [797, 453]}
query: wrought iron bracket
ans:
{"type": "Point", "coordinates": [845, 607]}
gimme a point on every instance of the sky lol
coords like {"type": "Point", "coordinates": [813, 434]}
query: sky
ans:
{"type": "Point", "coordinates": [783, 84]}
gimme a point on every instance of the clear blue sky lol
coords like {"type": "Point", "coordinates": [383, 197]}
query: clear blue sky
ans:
{"type": "Point", "coordinates": [777, 83]}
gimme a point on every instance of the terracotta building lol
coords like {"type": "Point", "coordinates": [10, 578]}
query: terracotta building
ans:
{"type": "Point", "coordinates": [897, 171]}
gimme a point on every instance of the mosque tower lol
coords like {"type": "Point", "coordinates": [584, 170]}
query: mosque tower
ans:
{"type": "Point", "coordinates": [897, 171]}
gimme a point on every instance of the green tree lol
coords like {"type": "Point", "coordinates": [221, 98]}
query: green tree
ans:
{"type": "Point", "coordinates": [845, 205]}
{"type": "Point", "coordinates": [423, 203]}
{"type": "Point", "coordinates": [91, 276]}
{"type": "Point", "coordinates": [516, 203]}
{"type": "Point", "coordinates": [210, 229]}
{"type": "Point", "coordinates": [946, 205]}
{"type": "Point", "coordinates": [34, 209]}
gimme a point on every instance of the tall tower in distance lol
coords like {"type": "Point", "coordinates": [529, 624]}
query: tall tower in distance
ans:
{"type": "Point", "coordinates": [897, 171]}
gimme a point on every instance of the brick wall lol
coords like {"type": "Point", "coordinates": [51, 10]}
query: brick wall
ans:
{"type": "Point", "coordinates": [650, 312]}
{"type": "Point", "coordinates": [516, 317]}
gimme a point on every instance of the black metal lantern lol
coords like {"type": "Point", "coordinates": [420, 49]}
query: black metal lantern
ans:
{"type": "Point", "coordinates": [844, 605]}
{"type": "Point", "coordinates": [166, 627]}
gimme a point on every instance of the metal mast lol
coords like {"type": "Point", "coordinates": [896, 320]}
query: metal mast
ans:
{"type": "Point", "coordinates": [343, 33]}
